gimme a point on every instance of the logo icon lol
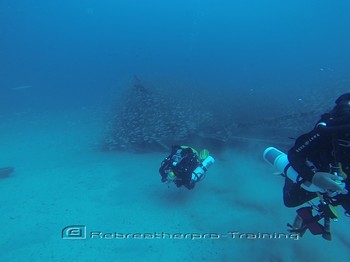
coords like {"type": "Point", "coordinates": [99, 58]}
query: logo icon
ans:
{"type": "Point", "coordinates": [74, 232]}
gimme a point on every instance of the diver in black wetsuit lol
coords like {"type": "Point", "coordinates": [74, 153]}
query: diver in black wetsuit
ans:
{"type": "Point", "coordinates": [318, 154]}
{"type": "Point", "coordinates": [184, 166]}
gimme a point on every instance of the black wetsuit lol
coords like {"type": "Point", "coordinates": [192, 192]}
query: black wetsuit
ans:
{"type": "Point", "coordinates": [326, 144]}
{"type": "Point", "coordinates": [182, 161]}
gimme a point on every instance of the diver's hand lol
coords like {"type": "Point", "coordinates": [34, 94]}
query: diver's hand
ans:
{"type": "Point", "coordinates": [329, 182]}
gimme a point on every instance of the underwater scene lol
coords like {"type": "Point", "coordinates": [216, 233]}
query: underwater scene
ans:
{"type": "Point", "coordinates": [174, 130]}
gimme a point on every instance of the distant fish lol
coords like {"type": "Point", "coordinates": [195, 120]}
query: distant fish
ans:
{"type": "Point", "coordinates": [6, 171]}
{"type": "Point", "coordinates": [325, 69]}
{"type": "Point", "coordinates": [21, 87]}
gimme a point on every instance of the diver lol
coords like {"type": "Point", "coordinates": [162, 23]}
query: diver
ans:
{"type": "Point", "coordinates": [185, 167]}
{"type": "Point", "coordinates": [322, 158]}
{"type": "Point", "coordinates": [318, 167]}
{"type": "Point", "coordinates": [316, 153]}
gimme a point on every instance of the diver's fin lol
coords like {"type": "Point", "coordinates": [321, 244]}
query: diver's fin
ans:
{"type": "Point", "coordinates": [6, 171]}
{"type": "Point", "coordinates": [301, 231]}
{"type": "Point", "coordinates": [279, 174]}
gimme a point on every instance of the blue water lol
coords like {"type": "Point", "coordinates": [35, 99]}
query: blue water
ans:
{"type": "Point", "coordinates": [63, 65]}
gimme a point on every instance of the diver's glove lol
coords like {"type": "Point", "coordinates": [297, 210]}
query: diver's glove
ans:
{"type": "Point", "coordinates": [329, 182]}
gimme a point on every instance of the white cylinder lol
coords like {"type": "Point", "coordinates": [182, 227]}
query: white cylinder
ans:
{"type": "Point", "coordinates": [208, 162]}
{"type": "Point", "coordinates": [202, 168]}
{"type": "Point", "coordinates": [278, 159]}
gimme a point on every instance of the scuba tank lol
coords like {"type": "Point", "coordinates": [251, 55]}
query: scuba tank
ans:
{"type": "Point", "coordinates": [278, 159]}
{"type": "Point", "coordinates": [198, 173]}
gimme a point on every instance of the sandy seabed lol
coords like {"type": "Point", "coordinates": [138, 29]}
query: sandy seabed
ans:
{"type": "Point", "coordinates": [64, 186]}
